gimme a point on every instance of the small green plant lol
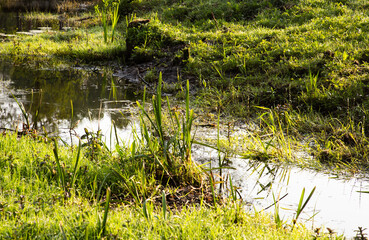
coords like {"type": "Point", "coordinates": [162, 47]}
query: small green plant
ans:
{"type": "Point", "coordinates": [114, 18]}
{"type": "Point", "coordinates": [360, 234]}
{"type": "Point", "coordinates": [233, 190]}
{"type": "Point", "coordinates": [164, 205]}
{"type": "Point", "coordinates": [302, 204]}
{"type": "Point", "coordinates": [109, 7]}
{"type": "Point", "coordinates": [277, 218]}
{"type": "Point", "coordinates": [311, 85]}
{"type": "Point", "coordinates": [62, 173]}
{"type": "Point", "coordinates": [93, 143]}
{"type": "Point", "coordinates": [146, 209]}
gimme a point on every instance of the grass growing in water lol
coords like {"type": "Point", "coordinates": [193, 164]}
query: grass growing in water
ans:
{"type": "Point", "coordinates": [137, 179]}
{"type": "Point", "coordinates": [249, 54]}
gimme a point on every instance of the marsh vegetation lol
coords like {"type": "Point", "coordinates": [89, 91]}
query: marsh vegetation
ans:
{"type": "Point", "coordinates": [293, 72]}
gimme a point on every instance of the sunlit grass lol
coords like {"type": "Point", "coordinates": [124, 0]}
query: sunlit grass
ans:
{"type": "Point", "coordinates": [33, 205]}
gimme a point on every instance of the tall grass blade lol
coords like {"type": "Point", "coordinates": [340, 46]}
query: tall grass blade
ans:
{"type": "Point", "coordinates": [303, 204]}
{"type": "Point", "coordinates": [164, 205]}
{"type": "Point", "coordinates": [60, 169]}
{"type": "Point", "coordinates": [71, 121]}
{"type": "Point", "coordinates": [212, 188]}
{"type": "Point", "coordinates": [116, 134]}
{"type": "Point", "coordinates": [76, 163]}
{"type": "Point", "coordinates": [233, 193]}
{"type": "Point", "coordinates": [101, 186]}
{"type": "Point", "coordinates": [64, 237]}
{"type": "Point", "coordinates": [145, 212]}
{"type": "Point", "coordinates": [158, 111]}
{"type": "Point", "coordinates": [105, 218]}
{"type": "Point", "coordinates": [71, 114]}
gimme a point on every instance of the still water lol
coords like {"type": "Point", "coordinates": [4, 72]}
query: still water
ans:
{"type": "Point", "coordinates": [12, 22]}
{"type": "Point", "coordinates": [61, 102]}
{"type": "Point", "coordinates": [98, 98]}
{"type": "Point", "coordinates": [339, 203]}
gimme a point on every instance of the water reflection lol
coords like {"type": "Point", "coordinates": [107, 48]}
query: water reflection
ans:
{"type": "Point", "coordinates": [338, 203]}
{"type": "Point", "coordinates": [48, 96]}
{"type": "Point", "coordinates": [12, 22]}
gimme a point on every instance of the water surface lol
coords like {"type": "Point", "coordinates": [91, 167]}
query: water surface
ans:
{"type": "Point", "coordinates": [97, 97]}
{"type": "Point", "coordinates": [12, 22]}
{"type": "Point", "coordinates": [339, 203]}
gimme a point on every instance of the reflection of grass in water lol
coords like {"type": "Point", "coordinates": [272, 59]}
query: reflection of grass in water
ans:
{"type": "Point", "coordinates": [54, 101]}
{"type": "Point", "coordinates": [42, 16]}
{"type": "Point", "coordinates": [27, 127]}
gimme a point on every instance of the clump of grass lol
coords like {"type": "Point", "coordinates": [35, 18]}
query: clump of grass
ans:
{"type": "Point", "coordinates": [110, 10]}
{"type": "Point", "coordinates": [104, 17]}
{"type": "Point", "coordinates": [168, 150]}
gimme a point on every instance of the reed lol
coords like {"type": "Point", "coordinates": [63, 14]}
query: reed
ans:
{"type": "Point", "coordinates": [302, 204]}
{"type": "Point", "coordinates": [114, 18]}
{"type": "Point", "coordinates": [104, 18]}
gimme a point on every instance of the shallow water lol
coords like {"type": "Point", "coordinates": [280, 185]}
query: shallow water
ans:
{"type": "Point", "coordinates": [12, 22]}
{"type": "Point", "coordinates": [99, 98]}
{"type": "Point", "coordinates": [336, 203]}
{"type": "Point", "coordinates": [340, 204]}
